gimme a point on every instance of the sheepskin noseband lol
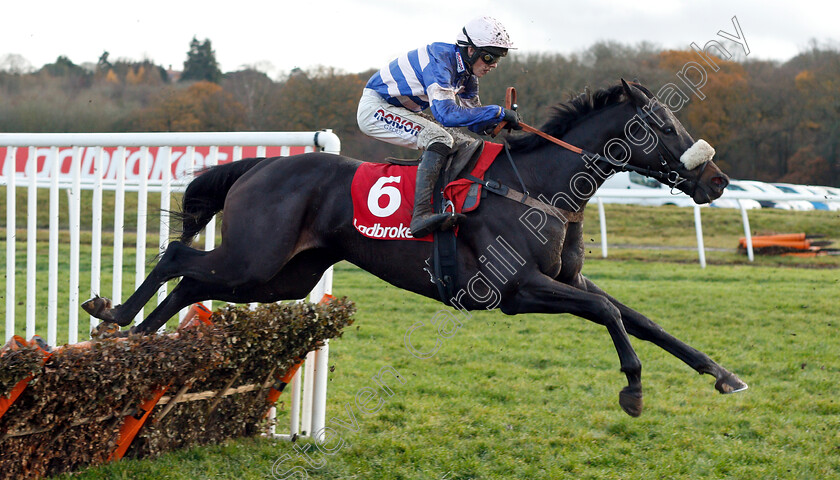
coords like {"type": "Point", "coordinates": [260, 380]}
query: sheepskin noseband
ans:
{"type": "Point", "coordinates": [698, 154]}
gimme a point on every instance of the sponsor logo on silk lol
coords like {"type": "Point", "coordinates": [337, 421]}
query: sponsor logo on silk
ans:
{"type": "Point", "coordinates": [397, 124]}
{"type": "Point", "coordinates": [460, 62]}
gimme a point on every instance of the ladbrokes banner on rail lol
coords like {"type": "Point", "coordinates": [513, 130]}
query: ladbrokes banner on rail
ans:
{"type": "Point", "coordinates": [181, 163]}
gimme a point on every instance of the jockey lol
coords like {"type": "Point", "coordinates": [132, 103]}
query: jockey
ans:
{"type": "Point", "coordinates": [444, 77]}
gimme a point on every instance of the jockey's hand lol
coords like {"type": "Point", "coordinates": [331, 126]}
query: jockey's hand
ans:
{"type": "Point", "coordinates": [512, 119]}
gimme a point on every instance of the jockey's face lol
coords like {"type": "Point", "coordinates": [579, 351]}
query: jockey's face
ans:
{"type": "Point", "coordinates": [480, 67]}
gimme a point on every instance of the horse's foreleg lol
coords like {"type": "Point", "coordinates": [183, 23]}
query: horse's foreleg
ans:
{"type": "Point", "coordinates": [642, 327]}
{"type": "Point", "coordinates": [541, 294]}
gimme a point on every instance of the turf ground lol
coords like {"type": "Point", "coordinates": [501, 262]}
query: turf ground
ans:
{"type": "Point", "coordinates": [535, 396]}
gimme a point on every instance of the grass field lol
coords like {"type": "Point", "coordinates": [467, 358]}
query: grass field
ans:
{"type": "Point", "coordinates": [535, 396]}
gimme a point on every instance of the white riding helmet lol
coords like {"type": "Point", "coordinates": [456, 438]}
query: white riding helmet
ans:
{"type": "Point", "coordinates": [484, 32]}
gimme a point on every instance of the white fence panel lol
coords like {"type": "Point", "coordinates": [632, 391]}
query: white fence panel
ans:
{"type": "Point", "coordinates": [74, 162]}
{"type": "Point", "coordinates": [603, 193]}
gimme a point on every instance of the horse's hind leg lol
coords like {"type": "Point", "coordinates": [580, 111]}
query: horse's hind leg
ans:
{"type": "Point", "coordinates": [187, 292]}
{"type": "Point", "coordinates": [171, 264]}
{"type": "Point", "coordinates": [295, 280]}
{"type": "Point", "coordinates": [642, 327]}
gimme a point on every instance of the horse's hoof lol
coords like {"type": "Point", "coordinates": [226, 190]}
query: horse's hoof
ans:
{"type": "Point", "coordinates": [107, 330]}
{"type": "Point", "coordinates": [631, 401]}
{"type": "Point", "coordinates": [730, 383]}
{"type": "Point", "coordinates": [99, 307]}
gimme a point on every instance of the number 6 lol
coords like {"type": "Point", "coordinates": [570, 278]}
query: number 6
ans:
{"type": "Point", "coordinates": [378, 190]}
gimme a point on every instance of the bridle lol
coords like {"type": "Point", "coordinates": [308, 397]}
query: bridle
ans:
{"type": "Point", "coordinates": [668, 175]}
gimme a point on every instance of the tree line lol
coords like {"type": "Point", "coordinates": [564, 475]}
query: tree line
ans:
{"type": "Point", "coordinates": [771, 121]}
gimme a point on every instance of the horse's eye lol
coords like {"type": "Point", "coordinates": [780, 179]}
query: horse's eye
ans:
{"type": "Point", "coordinates": [668, 130]}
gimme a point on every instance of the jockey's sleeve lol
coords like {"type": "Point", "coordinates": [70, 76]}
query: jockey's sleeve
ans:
{"type": "Point", "coordinates": [439, 76]}
{"type": "Point", "coordinates": [469, 94]}
{"type": "Point", "coordinates": [447, 111]}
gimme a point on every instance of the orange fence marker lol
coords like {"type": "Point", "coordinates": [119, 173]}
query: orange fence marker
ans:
{"type": "Point", "coordinates": [133, 423]}
{"type": "Point", "coordinates": [16, 343]}
{"type": "Point", "coordinates": [281, 382]}
{"type": "Point", "coordinates": [197, 314]}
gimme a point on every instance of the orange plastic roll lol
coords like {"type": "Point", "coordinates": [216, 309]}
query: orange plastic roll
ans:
{"type": "Point", "coordinates": [796, 244]}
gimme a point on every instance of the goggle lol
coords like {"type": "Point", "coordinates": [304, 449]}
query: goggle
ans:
{"type": "Point", "coordinates": [488, 57]}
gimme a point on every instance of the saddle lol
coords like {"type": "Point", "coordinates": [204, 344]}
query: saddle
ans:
{"type": "Point", "coordinates": [462, 158]}
{"type": "Point", "coordinates": [442, 266]}
{"type": "Point", "coordinates": [460, 187]}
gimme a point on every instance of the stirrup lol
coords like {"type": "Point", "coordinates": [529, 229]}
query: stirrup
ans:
{"type": "Point", "coordinates": [428, 224]}
{"type": "Point", "coordinates": [452, 220]}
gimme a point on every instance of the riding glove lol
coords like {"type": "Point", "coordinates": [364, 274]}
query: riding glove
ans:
{"type": "Point", "coordinates": [512, 119]}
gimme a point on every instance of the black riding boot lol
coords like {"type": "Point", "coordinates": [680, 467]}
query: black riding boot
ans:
{"type": "Point", "coordinates": [424, 221]}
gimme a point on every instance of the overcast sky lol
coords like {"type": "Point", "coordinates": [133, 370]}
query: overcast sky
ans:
{"type": "Point", "coordinates": [354, 35]}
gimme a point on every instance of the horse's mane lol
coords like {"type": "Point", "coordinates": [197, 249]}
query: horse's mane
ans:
{"type": "Point", "coordinates": [564, 116]}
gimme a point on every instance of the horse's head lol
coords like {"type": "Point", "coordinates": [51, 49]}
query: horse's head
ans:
{"type": "Point", "coordinates": [663, 149]}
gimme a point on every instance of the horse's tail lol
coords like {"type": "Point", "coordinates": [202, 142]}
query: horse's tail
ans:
{"type": "Point", "coordinates": [205, 195]}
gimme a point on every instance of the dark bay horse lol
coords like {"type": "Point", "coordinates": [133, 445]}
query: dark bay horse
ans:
{"type": "Point", "coordinates": [286, 220]}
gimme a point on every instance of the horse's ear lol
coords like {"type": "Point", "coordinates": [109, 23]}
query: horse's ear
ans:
{"type": "Point", "coordinates": [634, 94]}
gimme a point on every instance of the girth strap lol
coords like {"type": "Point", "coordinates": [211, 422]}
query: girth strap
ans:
{"type": "Point", "coordinates": [493, 186]}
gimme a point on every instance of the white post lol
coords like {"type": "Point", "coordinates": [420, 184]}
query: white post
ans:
{"type": "Point", "coordinates": [31, 233]}
{"type": "Point", "coordinates": [294, 412]}
{"type": "Point", "coordinates": [52, 285]}
{"type": "Point", "coordinates": [96, 231]}
{"type": "Point", "coordinates": [210, 229]}
{"type": "Point", "coordinates": [698, 225]}
{"type": "Point", "coordinates": [319, 384]}
{"type": "Point", "coordinates": [11, 227]}
{"type": "Point", "coordinates": [119, 225]}
{"type": "Point", "coordinates": [603, 219]}
{"type": "Point", "coordinates": [75, 233]}
{"type": "Point", "coordinates": [747, 234]}
{"type": "Point", "coordinates": [142, 212]}
{"type": "Point", "coordinates": [164, 155]}
{"type": "Point", "coordinates": [308, 380]}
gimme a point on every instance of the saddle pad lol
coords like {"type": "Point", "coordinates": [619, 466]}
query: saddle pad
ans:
{"type": "Point", "coordinates": [383, 200]}
{"type": "Point", "coordinates": [466, 194]}
{"type": "Point", "coordinates": [383, 196]}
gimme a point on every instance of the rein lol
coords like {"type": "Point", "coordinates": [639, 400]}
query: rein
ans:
{"type": "Point", "coordinates": [664, 177]}
{"type": "Point", "coordinates": [510, 102]}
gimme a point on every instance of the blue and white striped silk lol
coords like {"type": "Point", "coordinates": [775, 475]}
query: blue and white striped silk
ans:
{"type": "Point", "coordinates": [432, 76]}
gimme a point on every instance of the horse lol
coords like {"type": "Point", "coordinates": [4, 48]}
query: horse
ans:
{"type": "Point", "coordinates": [287, 219]}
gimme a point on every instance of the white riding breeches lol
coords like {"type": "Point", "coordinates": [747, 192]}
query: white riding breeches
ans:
{"type": "Point", "coordinates": [397, 125]}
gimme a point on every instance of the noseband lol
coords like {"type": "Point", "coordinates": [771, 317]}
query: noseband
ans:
{"type": "Point", "coordinates": [667, 175]}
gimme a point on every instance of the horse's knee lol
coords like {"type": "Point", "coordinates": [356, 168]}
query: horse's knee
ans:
{"type": "Point", "coordinates": [609, 314]}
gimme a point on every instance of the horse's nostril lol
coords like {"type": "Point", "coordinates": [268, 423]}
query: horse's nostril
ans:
{"type": "Point", "coordinates": [720, 181]}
